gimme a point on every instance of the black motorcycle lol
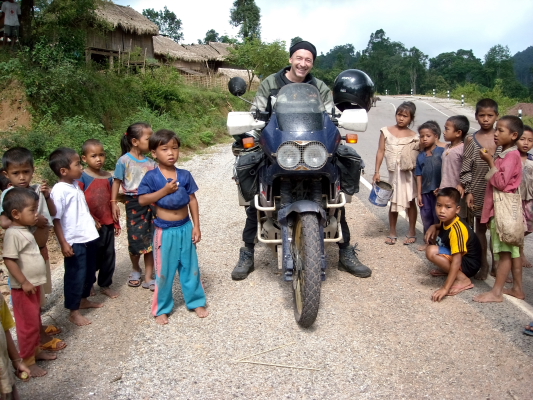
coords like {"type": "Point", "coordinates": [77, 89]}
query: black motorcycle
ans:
{"type": "Point", "coordinates": [299, 175]}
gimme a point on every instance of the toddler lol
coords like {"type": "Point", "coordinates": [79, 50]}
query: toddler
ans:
{"type": "Point", "coordinates": [27, 272]}
{"type": "Point", "coordinates": [399, 146]}
{"type": "Point", "coordinates": [428, 173]}
{"type": "Point", "coordinates": [129, 172]}
{"type": "Point", "coordinates": [473, 172]}
{"type": "Point", "coordinates": [505, 174]}
{"type": "Point", "coordinates": [96, 183]}
{"type": "Point", "coordinates": [173, 191]}
{"type": "Point", "coordinates": [525, 144]}
{"type": "Point", "coordinates": [76, 233]}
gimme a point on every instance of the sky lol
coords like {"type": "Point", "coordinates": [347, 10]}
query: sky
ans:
{"type": "Point", "coordinates": [432, 26]}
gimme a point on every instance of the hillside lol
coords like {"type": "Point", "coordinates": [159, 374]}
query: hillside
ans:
{"type": "Point", "coordinates": [523, 66]}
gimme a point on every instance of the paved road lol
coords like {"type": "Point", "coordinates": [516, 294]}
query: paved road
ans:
{"type": "Point", "coordinates": [375, 338]}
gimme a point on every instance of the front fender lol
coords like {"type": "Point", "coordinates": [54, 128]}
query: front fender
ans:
{"type": "Point", "coordinates": [299, 207]}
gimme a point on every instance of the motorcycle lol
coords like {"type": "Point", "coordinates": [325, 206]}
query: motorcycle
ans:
{"type": "Point", "coordinates": [292, 175]}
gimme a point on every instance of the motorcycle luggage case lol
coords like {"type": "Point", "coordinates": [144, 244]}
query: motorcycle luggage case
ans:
{"type": "Point", "coordinates": [350, 165]}
{"type": "Point", "coordinates": [245, 172]}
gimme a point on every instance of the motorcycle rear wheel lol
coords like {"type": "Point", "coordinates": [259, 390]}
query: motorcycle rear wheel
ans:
{"type": "Point", "coordinates": [306, 252]}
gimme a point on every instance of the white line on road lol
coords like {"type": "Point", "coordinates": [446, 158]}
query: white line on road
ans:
{"type": "Point", "coordinates": [520, 304]}
{"type": "Point", "coordinates": [425, 102]}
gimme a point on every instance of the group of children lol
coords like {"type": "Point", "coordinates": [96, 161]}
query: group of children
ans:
{"type": "Point", "coordinates": [453, 183]}
{"type": "Point", "coordinates": [82, 208]}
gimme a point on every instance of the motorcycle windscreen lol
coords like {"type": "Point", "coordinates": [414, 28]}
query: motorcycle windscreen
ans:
{"type": "Point", "coordinates": [299, 108]}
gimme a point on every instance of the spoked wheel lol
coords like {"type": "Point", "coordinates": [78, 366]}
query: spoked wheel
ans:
{"type": "Point", "coordinates": [306, 248]}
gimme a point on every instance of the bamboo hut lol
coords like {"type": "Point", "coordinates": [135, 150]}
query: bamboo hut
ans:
{"type": "Point", "coordinates": [169, 52]}
{"type": "Point", "coordinates": [130, 30]}
{"type": "Point", "coordinates": [215, 53]}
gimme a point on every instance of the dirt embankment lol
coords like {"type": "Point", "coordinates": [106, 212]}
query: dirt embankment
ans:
{"type": "Point", "coordinates": [14, 108]}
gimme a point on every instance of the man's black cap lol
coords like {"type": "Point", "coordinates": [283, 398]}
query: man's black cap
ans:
{"type": "Point", "coordinates": [303, 45]}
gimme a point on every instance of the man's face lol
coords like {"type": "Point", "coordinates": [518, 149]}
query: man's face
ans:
{"type": "Point", "coordinates": [301, 63]}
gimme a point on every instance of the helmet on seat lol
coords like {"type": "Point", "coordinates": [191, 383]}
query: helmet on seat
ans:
{"type": "Point", "coordinates": [353, 89]}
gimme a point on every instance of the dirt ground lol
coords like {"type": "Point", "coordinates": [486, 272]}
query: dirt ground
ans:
{"type": "Point", "coordinates": [14, 109]}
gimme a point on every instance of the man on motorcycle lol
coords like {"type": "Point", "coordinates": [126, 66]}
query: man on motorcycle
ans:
{"type": "Point", "coordinates": [302, 57]}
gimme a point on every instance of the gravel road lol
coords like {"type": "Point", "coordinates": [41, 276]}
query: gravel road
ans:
{"type": "Point", "coordinates": [374, 338]}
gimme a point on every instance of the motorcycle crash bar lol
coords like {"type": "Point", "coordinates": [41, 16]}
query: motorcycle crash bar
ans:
{"type": "Point", "coordinates": [328, 205]}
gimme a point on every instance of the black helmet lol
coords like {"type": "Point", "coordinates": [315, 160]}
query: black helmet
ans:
{"type": "Point", "coordinates": [353, 89]}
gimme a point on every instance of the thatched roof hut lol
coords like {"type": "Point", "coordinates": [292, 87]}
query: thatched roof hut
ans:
{"type": "Point", "coordinates": [222, 48]}
{"type": "Point", "coordinates": [127, 19]}
{"type": "Point", "coordinates": [206, 51]}
{"type": "Point", "coordinates": [168, 48]}
{"type": "Point", "coordinates": [130, 30]}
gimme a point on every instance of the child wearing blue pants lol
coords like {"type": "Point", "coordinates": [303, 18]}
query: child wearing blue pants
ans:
{"type": "Point", "coordinates": [175, 237]}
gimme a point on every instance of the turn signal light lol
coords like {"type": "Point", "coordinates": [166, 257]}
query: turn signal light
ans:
{"type": "Point", "coordinates": [249, 142]}
{"type": "Point", "coordinates": [351, 138]}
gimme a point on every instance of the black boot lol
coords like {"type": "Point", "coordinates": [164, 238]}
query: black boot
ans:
{"type": "Point", "coordinates": [349, 262]}
{"type": "Point", "coordinates": [245, 265]}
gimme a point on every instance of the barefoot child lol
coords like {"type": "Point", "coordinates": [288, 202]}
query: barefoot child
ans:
{"type": "Point", "coordinates": [175, 237]}
{"type": "Point", "coordinates": [27, 272]}
{"type": "Point", "coordinates": [76, 233]}
{"type": "Point", "coordinates": [525, 144]}
{"type": "Point", "coordinates": [18, 169]}
{"type": "Point", "coordinates": [428, 173]}
{"type": "Point", "coordinates": [129, 172]}
{"type": "Point", "coordinates": [9, 352]}
{"type": "Point", "coordinates": [474, 169]}
{"type": "Point", "coordinates": [457, 253]}
{"type": "Point", "coordinates": [399, 146]}
{"type": "Point", "coordinates": [505, 174]}
{"type": "Point", "coordinates": [96, 184]}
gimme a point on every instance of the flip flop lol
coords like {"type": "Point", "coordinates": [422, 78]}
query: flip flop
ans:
{"type": "Point", "coordinates": [459, 289]}
{"type": "Point", "coordinates": [54, 345]}
{"type": "Point", "coordinates": [149, 285]}
{"type": "Point", "coordinates": [135, 276]}
{"type": "Point", "coordinates": [437, 272]}
{"type": "Point", "coordinates": [409, 237]}
{"type": "Point", "coordinates": [393, 240]}
{"type": "Point", "coordinates": [529, 331]}
{"type": "Point", "coordinates": [52, 330]}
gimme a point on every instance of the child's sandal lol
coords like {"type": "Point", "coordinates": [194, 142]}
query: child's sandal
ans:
{"type": "Point", "coordinates": [134, 280]}
{"type": "Point", "coordinates": [392, 240]}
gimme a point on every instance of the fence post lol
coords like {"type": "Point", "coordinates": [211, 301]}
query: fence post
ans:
{"type": "Point", "coordinates": [448, 95]}
{"type": "Point", "coordinates": [520, 113]}
{"type": "Point", "coordinates": [411, 91]}
{"type": "Point", "coordinates": [386, 92]}
{"type": "Point", "coordinates": [433, 92]}
{"type": "Point", "coordinates": [462, 100]}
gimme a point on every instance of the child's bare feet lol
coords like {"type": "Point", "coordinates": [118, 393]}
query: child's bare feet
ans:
{"type": "Point", "coordinates": [78, 319]}
{"type": "Point", "coordinates": [109, 292]}
{"type": "Point", "coordinates": [488, 297]}
{"type": "Point", "coordinates": [423, 247]}
{"type": "Point", "coordinates": [93, 292]}
{"type": "Point", "coordinates": [515, 293]}
{"type": "Point", "coordinates": [162, 319]}
{"type": "Point", "coordinates": [89, 304]}
{"type": "Point", "coordinates": [37, 371]}
{"type": "Point", "coordinates": [201, 312]}
{"type": "Point", "coordinates": [45, 356]}
{"type": "Point", "coordinates": [526, 263]}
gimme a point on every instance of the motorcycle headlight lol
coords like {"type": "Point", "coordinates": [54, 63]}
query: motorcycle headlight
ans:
{"type": "Point", "coordinates": [315, 155]}
{"type": "Point", "coordinates": [288, 155]}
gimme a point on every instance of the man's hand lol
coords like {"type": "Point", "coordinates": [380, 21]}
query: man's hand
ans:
{"type": "Point", "coordinates": [45, 189]}
{"type": "Point", "coordinates": [28, 288]}
{"type": "Point", "coordinates": [439, 294]}
{"type": "Point", "coordinates": [196, 235]}
{"type": "Point", "coordinates": [431, 234]}
{"type": "Point", "coordinates": [171, 186]}
{"type": "Point", "coordinates": [67, 250]}
{"type": "Point", "coordinates": [42, 222]}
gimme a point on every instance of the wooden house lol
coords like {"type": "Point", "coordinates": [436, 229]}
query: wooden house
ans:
{"type": "Point", "coordinates": [130, 30]}
{"type": "Point", "coordinates": [169, 52]}
{"type": "Point", "coordinates": [215, 53]}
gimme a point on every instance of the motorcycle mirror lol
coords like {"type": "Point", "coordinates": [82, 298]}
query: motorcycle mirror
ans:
{"type": "Point", "coordinates": [237, 86]}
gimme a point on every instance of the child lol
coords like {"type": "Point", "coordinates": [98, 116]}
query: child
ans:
{"type": "Point", "coordinates": [399, 146]}
{"type": "Point", "coordinates": [8, 351]}
{"type": "Point", "coordinates": [130, 170]}
{"type": "Point", "coordinates": [76, 233]}
{"type": "Point", "coordinates": [474, 169]}
{"type": "Point", "coordinates": [96, 184]}
{"type": "Point", "coordinates": [505, 174]}
{"type": "Point", "coordinates": [428, 173]}
{"type": "Point", "coordinates": [457, 253]}
{"type": "Point", "coordinates": [525, 144]}
{"type": "Point", "coordinates": [175, 236]}
{"type": "Point", "coordinates": [18, 169]}
{"type": "Point", "coordinates": [27, 272]}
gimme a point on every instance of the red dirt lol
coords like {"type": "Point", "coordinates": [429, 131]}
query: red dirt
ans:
{"type": "Point", "coordinates": [527, 109]}
{"type": "Point", "coordinates": [14, 108]}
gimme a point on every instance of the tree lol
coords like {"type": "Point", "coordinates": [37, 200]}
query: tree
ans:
{"type": "Point", "coordinates": [210, 36]}
{"type": "Point", "coordinates": [295, 39]}
{"type": "Point", "coordinates": [498, 64]}
{"type": "Point", "coordinates": [169, 25]}
{"type": "Point", "coordinates": [258, 58]}
{"type": "Point", "coordinates": [227, 39]}
{"type": "Point", "coordinates": [457, 68]}
{"type": "Point", "coordinates": [246, 15]}
{"type": "Point", "coordinates": [416, 63]}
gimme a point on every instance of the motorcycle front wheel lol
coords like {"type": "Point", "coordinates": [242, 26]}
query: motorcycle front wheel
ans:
{"type": "Point", "coordinates": [306, 252]}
